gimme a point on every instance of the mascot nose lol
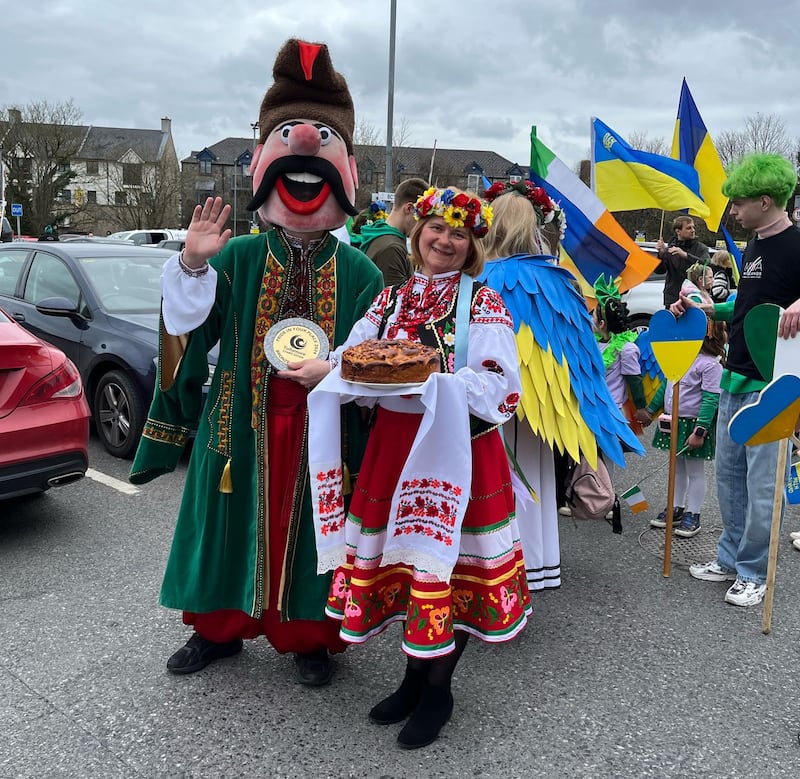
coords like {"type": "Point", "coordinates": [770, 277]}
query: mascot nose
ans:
{"type": "Point", "coordinates": [304, 140]}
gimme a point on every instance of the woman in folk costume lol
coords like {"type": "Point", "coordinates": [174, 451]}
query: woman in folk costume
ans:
{"type": "Point", "coordinates": [566, 406]}
{"type": "Point", "coordinates": [430, 539]}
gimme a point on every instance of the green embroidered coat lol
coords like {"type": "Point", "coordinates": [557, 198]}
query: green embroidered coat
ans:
{"type": "Point", "coordinates": [218, 558]}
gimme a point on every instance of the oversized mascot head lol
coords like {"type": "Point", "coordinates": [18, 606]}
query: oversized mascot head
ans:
{"type": "Point", "coordinates": [304, 171]}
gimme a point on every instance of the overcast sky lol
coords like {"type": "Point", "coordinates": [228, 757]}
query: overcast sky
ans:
{"type": "Point", "coordinates": [470, 74]}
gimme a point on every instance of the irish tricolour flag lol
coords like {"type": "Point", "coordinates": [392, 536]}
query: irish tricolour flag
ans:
{"type": "Point", "coordinates": [634, 497]}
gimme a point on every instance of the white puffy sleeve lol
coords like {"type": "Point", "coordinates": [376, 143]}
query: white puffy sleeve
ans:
{"type": "Point", "coordinates": [185, 301]}
{"type": "Point", "coordinates": [491, 375]}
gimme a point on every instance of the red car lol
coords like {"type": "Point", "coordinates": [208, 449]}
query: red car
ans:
{"type": "Point", "coordinates": [44, 417]}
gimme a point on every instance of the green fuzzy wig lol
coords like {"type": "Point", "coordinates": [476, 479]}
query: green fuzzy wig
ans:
{"type": "Point", "coordinates": [761, 174]}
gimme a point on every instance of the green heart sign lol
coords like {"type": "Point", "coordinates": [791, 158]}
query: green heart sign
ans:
{"type": "Point", "coordinates": [760, 335]}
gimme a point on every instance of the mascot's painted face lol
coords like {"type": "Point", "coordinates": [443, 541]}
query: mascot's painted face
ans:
{"type": "Point", "coordinates": [303, 178]}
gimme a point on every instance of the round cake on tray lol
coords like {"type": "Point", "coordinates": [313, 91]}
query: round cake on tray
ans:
{"type": "Point", "coordinates": [377, 361]}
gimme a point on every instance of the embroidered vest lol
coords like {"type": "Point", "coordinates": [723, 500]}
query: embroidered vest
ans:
{"type": "Point", "coordinates": [433, 334]}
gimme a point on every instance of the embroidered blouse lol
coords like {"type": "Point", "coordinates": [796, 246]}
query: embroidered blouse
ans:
{"type": "Point", "coordinates": [426, 307]}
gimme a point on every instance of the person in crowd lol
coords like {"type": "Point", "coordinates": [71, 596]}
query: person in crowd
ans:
{"type": "Point", "coordinates": [50, 233]}
{"type": "Point", "coordinates": [759, 187]}
{"type": "Point", "coordinates": [385, 240]}
{"type": "Point", "coordinates": [702, 277]}
{"type": "Point", "coordinates": [722, 268]}
{"type": "Point", "coordinates": [621, 355]}
{"type": "Point", "coordinates": [454, 568]}
{"type": "Point", "coordinates": [698, 401]}
{"type": "Point", "coordinates": [243, 558]}
{"type": "Point", "coordinates": [676, 256]}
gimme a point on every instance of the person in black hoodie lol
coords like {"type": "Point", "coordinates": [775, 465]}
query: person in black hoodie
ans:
{"type": "Point", "coordinates": [682, 251]}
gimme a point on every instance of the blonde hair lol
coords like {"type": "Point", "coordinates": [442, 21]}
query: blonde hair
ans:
{"type": "Point", "coordinates": [515, 229]}
{"type": "Point", "coordinates": [696, 274]}
{"type": "Point", "coordinates": [476, 255]}
{"type": "Point", "coordinates": [722, 259]}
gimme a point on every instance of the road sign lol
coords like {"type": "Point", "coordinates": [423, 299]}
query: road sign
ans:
{"type": "Point", "coordinates": [16, 209]}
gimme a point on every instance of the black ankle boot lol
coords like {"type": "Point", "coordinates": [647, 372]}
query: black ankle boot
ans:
{"type": "Point", "coordinates": [402, 701]}
{"type": "Point", "coordinates": [430, 716]}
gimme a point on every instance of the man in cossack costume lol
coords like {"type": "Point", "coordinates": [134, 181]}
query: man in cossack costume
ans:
{"type": "Point", "coordinates": [243, 558]}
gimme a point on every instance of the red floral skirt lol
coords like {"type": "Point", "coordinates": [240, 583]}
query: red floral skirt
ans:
{"type": "Point", "coordinates": [487, 594]}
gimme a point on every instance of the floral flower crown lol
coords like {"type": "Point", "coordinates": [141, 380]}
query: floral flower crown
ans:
{"type": "Point", "coordinates": [377, 210]}
{"type": "Point", "coordinates": [546, 209]}
{"type": "Point", "coordinates": [458, 209]}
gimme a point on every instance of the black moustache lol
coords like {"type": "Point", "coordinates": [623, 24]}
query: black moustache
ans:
{"type": "Point", "coordinates": [296, 164]}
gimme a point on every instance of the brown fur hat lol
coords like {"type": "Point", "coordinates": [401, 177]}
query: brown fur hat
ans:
{"type": "Point", "coordinates": [307, 87]}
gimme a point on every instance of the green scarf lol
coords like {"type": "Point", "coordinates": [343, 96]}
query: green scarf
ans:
{"type": "Point", "coordinates": [615, 346]}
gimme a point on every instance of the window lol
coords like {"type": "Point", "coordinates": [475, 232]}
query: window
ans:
{"type": "Point", "coordinates": [120, 198]}
{"type": "Point", "coordinates": [50, 278]}
{"type": "Point", "coordinates": [63, 167]}
{"type": "Point", "coordinates": [25, 167]}
{"type": "Point", "coordinates": [92, 168]}
{"type": "Point", "coordinates": [205, 167]}
{"type": "Point", "coordinates": [65, 196]}
{"type": "Point", "coordinates": [91, 196]}
{"type": "Point", "coordinates": [11, 263]}
{"type": "Point", "coordinates": [131, 173]}
{"type": "Point", "coordinates": [514, 179]}
{"type": "Point", "coordinates": [473, 182]}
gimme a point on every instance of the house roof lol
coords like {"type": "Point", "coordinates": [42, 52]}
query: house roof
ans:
{"type": "Point", "coordinates": [414, 159]}
{"type": "Point", "coordinates": [111, 143]}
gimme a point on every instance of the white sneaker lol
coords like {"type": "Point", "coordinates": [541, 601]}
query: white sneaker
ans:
{"type": "Point", "coordinates": [794, 535]}
{"type": "Point", "coordinates": [743, 593]}
{"type": "Point", "coordinates": [565, 511]}
{"type": "Point", "coordinates": [796, 543]}
{"type": "Point", "coordinates": [711, 572]}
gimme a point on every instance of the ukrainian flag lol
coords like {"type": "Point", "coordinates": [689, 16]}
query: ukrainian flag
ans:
{"type": "Point", "coordinates": [692, 144]}
{"type": "Point", "coordinates": [594, 243]}
{"type": "Point", "coordinates": [626, 179]}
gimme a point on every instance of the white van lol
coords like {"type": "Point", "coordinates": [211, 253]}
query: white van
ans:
{"type": "Point", "coordinates": [144, 237]}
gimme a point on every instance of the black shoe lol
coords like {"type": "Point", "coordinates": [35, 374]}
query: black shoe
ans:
{"type": "Point", "coordinates": [314, 669]}
{"type": "Point", "coordinates": [198, 652]}
{"type": "Point", "coordinates": [430, 716]}
{"type": "Point", "coordinates": [397, 706]}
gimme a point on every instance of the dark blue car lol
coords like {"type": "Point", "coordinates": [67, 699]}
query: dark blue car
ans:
{"type": "Point", "coordinates": [99, 304]}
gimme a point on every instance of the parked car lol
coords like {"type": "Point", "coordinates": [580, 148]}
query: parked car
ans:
{"type": "Point", "coordinates": [173, 244]}
{"type": "Point", "coordinates": [6, 233]}
{"type": "Point", "coordinates": [100, 304]}
{"type": "Point", "coordinates": [44, 417]}
{"type": "Point", "coordinates": [140, 237]}
{"type": "Point", "coordinates": [647, 297]}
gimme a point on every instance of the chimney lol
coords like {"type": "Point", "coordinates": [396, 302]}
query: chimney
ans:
{"type": "Point", "coordinates": [166, 125]}
{"type": "Point", "coordinates": [14, 116]}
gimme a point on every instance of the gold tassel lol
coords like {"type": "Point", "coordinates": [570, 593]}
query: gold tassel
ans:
{"type": "Point", "coordinates": [225, 482]}
{"type": "Point", "coordinates": [347, 487]}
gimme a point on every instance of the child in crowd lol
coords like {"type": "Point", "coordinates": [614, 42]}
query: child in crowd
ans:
{"type": "Point", "coordinates": [722, 269]}
{"type": "Point", "coordinates": [617, 343]}
{"type": "Point", "coordinates": [697, 410]}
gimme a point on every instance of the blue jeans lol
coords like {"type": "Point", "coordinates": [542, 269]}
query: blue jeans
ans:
{"type": "Point", "coordinates": [745, 488]}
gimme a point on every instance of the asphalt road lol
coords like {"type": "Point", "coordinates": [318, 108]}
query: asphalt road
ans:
{"type": "Point", "coordinates": [621, 673]}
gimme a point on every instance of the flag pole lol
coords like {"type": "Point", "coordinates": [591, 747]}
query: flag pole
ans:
{"type": "Point", "coordinates": [774, 535]}
{"type": "Point", "coordinates": [673, 449]}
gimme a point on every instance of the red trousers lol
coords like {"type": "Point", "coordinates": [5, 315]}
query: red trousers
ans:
{"type": "Point", "coordinates": [286, 404]}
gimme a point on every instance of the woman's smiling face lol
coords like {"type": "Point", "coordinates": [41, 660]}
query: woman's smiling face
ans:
{"type": "Point", "coordinates": [442, 248]}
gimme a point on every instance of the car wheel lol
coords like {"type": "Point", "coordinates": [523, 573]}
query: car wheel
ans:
{"type": "Point", "coordinates": [639, 323]}
{"type": "Point", "coordinates": [118, 414]}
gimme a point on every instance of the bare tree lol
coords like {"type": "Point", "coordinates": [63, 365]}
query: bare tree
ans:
{"type": "Point", "coordinates": [145, 194]}
{"type": "Point", "coordinates": [762, 133]}
{"type": "Point", "coordinates": [639, 139]}
{"type": "Point", "coordinates": [38, 142]}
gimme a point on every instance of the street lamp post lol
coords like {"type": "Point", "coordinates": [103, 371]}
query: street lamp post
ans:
{"type": "Point", "coordinates": [390, 111]}
{"type": "Point", "coordinates": [254, 126]}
